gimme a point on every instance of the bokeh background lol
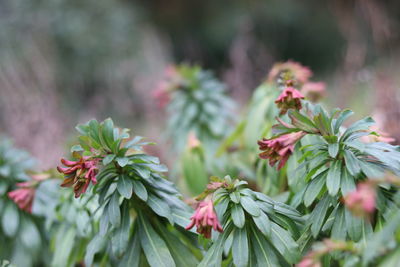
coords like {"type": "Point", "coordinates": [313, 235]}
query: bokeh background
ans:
{"type": "Point", "coordinates": [63, 62]}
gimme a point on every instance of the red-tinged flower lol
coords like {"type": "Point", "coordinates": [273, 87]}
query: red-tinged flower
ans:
{"type": "Point", "coordinates": [79, 173]}
{"type": "Point", "coordinates": [291, 69]}
{"type": "Point", "coordinates": [25, 193]}
{"type": "Point", "coordinates": [279, 148]}
{"type": "Point", "coordinates": [290, 98]}
{"type": "Point", "coordinates": [314, 91]}
{"type": "Point", "coordinates": [23, 196]}
{"type": "Point", "coordinates": [205, 219]}
{"type": "Point", "coordinates": [361, 202]}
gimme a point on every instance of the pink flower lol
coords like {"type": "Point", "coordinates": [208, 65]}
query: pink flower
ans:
{"type": "Point", "coordinates": [291, 69]}
{"type": "Point", "coordinates": [279, 148]}
{"type": "Point", "coordinates": [23, 196]}
{"type": "Point", "coordinates": [289, 99]}
{"type": "Point", "coordinates": [205, 218]}
{"type": "Point", "coordinates": [314, 91]}
{"type": "Point", "coordinates": [361, 202]}
{"type": "Point", "coordinates": [79, 174]}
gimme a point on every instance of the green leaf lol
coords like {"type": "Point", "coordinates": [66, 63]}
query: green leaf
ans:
{"type": "Point", "coordinates": [92, 248]}
{"type": "Point", "coordinates": [64, 243]}
{"type": "Point", "coordinates": [140, 190]}
{"type": "Point", "coordinates": [240, 248]}
{"type": "Point", "coordinates": [341, 118]}
{"type": "Point", "coordinates": [180, 252]}
{"type": "Point", "coordinates": [125, 186]}
{"type": "Point", "coordinates": [284, 243]}
{"type": "Point", "coordinates": [263, 251]}
{"type": "Point", "coordinates": [333, 149]}
{"type": "Point", "coordinates": [237, 215]}
{"type": "Point", "coordinates": [235, 197]}
{"type": "Point", "coordinates": [119, 240]}
{"type": "Point", "coordinates": [132, 255]}
{"type": "Point", "coordinates": [250, 205]}
{"type": "Point", "coordinates": [108, 132]}
{"type": "Point", "coordinates": [122, 161]}
{"type": "Point", "coordinates": [353, 225]}
{"type": "Point", "coordinates": [160, 207]}
{"type": "Point", "coordinates": [263, 223]}
{"type": "Point", "coordinates": [352, 164]}
{"type": "Point", "coordinates": [30, 235]}
{"type": "Point", "coordinates": [314, 188]}
{"type": "Point", "coordinates": [113, 210]}
{"type": "Point", "coordinates": [154, 247]}
{"type": "Point", "coordinates": [76, 148]}
{"type": "Point", "coordinates": [333, 178]}
{"type": "Point", "coordinates": [339, 227]}
{"type": "Point", "coordinates": [347, 183]}
{"type": "Point", "coordinates": [318, 215]}
{"type": "Point", "coordinates": [108, 159]}
{"type": "Point", "coordinates": [10, 220]}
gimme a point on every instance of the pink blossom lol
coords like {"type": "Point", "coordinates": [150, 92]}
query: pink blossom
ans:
{"type": "Point", "coordinates": [361, 202]}
{"type": "Point", "coordinates": [314, 91]}
{"type": "Point", "coordinates": [279, 148]}
{"type": "Point", "coordinates": [79, 174]}
{"type": "Point", "coordinates": [290, 98]}
{"type": "Point", "coordinates": [205, 219]}
{"type": "Point", "coordinates": [23, 196]}
{"type": "Point", "coordinates": [295, 70]}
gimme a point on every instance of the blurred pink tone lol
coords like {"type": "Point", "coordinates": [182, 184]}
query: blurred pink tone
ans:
{"type": "Point", "coordinates": [279, 148]}
{"type": "Point", "coordinates": [361, 202]}
{"type": "Point", "coordinates": [162, 92]}
{"type": "Point", "coordinates": [308, 261]}
{"type": "Point", "coordinates": [382, 136]}
{"type": "Point", "coordinates": [290, 98]}
{"type": "Point", "coordinates": [314, 91]}
{"type": "Point", "coordinates": [205, 219]}
{"type": "Point", "coordinates": [299, 72]}
{"type": "Point", "coordinates": [193, 141]}
{"type": "Point", "coordinates": [79, 174]}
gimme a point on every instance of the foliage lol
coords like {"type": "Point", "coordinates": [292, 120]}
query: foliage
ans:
{"type": "Point", "coordinates": [331, 200]}
{"type": "Point", "coordinates": [20, 230]}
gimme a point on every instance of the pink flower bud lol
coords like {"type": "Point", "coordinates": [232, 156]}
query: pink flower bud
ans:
{"type": "Point", "coordinates": [205, 219]}
{"type": "Point", "coordinates": [279, 148]}
{"type": "Point", "coordinates": [79, 174]}
{"type": "Point", "coordinates": [23, 196]}
{"type": "Point", "coordinates": [290, 98]}
{"type": "Point", "coordinates": [361, 202]}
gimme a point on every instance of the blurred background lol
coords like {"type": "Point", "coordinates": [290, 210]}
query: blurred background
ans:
{"type": "Point", "coordinates": [63, 62]}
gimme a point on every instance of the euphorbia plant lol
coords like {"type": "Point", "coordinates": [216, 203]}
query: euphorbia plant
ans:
{"type": "Point", "coordinates": [21, 236]}
{"type": "Point", "coordinates": [142, 217]}
{"type": "Point", "coordinates": [256, 230]}
{"type": "Point", "coordinates": [335, 160]}
{"type": "Point", "coordinates": [196, 102]}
